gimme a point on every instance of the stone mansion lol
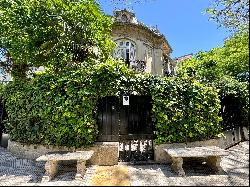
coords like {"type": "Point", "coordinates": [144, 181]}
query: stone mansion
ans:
{"type": "Point", "coordinates": [141, 47]}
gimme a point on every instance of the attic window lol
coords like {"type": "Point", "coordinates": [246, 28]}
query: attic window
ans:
{"type": "Point", "coordinates": [124, 18]}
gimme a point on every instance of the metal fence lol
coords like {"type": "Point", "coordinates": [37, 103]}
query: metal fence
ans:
{"type": "Point", "coordinates": [232, 113]}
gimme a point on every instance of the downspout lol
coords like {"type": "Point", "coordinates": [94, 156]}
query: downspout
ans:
{"type": "Point", "coordinates": [154, 60]}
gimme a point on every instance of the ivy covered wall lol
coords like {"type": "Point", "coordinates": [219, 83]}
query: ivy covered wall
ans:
{"type": "Point", "coordinates": [61, 110]}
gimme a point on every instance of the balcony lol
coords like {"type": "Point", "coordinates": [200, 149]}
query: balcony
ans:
{"type": "Point", "coordinates": [138, 65]}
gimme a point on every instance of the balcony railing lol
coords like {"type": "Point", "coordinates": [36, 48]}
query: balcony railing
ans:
{"type": "Point", "coordinates": [138, 65]}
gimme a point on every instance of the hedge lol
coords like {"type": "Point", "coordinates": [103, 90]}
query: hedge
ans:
{"type": "Point", "coordinates": [61, 109]}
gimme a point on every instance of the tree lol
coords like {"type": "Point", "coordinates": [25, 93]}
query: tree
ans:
{"type": "Point", "coordinates": [227, 69]}
{"type": "Point", "coordinates": [232, 14]}
{"type": "Point", "coordinates": [231, 60]}
{"type": "Point", "coordinates": [52, 33]}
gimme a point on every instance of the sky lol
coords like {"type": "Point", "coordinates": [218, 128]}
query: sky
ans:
{"type": "Point", "coordinates": [183, 23]}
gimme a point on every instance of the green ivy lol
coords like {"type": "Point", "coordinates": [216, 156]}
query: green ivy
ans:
{"type": "Point", "coordinates": [61, 109]}
{"type": "Point", "coordinates": [225, 68]}
{"type": "Point", "coordinates": [185, 110]}
{"type": "Point", "coordinates": [1, 90]}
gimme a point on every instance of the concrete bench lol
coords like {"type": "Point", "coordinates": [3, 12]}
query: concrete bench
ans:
{"type": "Point", "coordinates": [211, 153]}
{"type": "Point", "coordinates": [52, 159]}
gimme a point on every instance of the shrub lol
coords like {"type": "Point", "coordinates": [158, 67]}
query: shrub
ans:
{"type": "Point", "coordinates": [1, 90]}
{"type": "Point", "coordinates": [61, 109]}
{"type": "Point", "coordinates": [185, 110]}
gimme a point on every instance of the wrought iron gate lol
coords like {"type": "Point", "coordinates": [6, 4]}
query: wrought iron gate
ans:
{"type": "Point", "coordinates": [231, 111]}
{"type": "Point", "coordinates": [108, 119]}
{"type": "Point", "coordinates": [131, 125]}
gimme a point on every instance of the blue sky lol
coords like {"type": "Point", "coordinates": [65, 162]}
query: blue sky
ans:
{"type": "Point", "coordinates": [183, 23]}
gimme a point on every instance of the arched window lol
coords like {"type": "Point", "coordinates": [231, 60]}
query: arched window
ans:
{"type": "Point", "coordinates": [125, 50]}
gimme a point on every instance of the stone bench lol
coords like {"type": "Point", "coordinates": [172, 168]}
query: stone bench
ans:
{"type": "Point", "coordinates": [52, 159]}
{"type": "Point", "coordinates": [211, 153]}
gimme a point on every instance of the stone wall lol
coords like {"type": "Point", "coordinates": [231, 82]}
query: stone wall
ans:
{"type": "Point", "coordinates": [230, 138]}
{"type": "Point", "coordinates": [105, 153]}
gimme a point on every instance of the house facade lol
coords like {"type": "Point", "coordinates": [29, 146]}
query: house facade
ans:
{"type": "Point", "coordinates": [141, 47]}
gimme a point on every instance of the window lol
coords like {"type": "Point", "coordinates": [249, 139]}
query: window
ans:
{"type": "Point", "coordinates": [125, 50]}
{"type": "Point", "coordinates": [124, 18]}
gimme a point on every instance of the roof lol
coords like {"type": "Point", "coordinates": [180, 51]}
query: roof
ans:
{"type": "Point", "coordinates": [128, 18]}
{"type": "Point", "coordinates": [184, 57]}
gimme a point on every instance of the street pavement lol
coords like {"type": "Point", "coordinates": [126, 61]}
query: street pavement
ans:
{"type": "Point", "coordinates": [16, 171]}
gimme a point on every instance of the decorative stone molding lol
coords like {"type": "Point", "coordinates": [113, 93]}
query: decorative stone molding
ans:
{"type": "Point", "coordinates": [135, 31]}
{"type": "Point", "coordinates": [125, 16]}
{"type": "Point", "coordinates": [126, 26]}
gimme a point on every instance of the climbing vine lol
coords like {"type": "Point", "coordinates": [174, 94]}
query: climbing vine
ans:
{"type": "Point", "coordinates": [61, 110]}
{"type": "Point", "coordinates": [185, 110]}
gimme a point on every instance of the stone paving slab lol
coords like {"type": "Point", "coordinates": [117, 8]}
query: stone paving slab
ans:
{"type": "Point", "coordinates": [15, 171]}
{"type": "Point", "coordinates": [235, 165]}
{"type": "Point", "coordinates": [111, 176]}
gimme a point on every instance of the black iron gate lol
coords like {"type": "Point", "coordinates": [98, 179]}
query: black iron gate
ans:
{"type": "Point", "coordinates": [232, 113]}
{"type": "Point", "coordinates": [131, 125]}
{"type": "Point", "coordinates": [108, 119]}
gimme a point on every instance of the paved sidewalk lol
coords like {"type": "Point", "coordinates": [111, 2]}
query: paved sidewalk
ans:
{"type": "Point", "coordinates": [23, 172]}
